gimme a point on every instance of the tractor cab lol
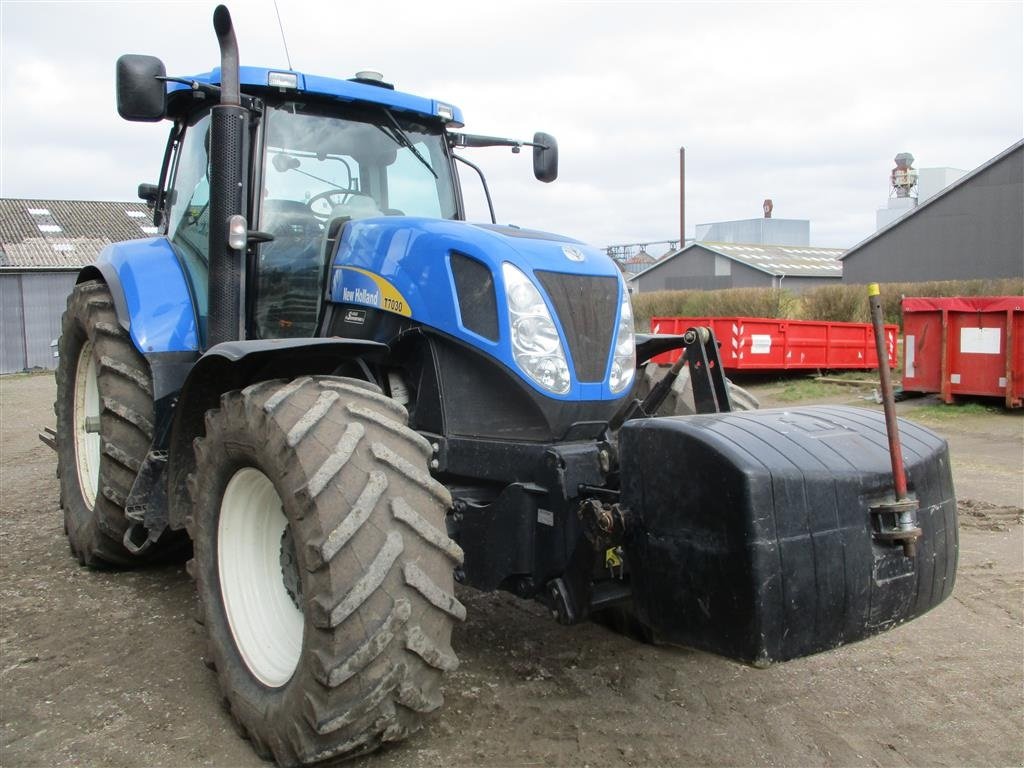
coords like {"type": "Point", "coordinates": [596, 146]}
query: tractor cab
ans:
{"type": "Point", "coordinates": [320, 153]}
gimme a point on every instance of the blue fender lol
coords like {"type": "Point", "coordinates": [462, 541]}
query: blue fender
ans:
{"type": "Point", "coordinates": [152, 294]}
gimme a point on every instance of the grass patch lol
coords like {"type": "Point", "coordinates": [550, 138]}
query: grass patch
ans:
{"type": "Point", "coordinates": [951, 411]}
{"type": "Point", "coordinates": [795, 390]}
{"type": "Point", "coordinates": [27, 374]}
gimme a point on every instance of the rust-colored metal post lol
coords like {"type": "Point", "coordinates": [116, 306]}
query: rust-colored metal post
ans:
{"type": "Point", "coordinates": [888, 402]}
{"type": "Point", "coordinates": [903, 511]}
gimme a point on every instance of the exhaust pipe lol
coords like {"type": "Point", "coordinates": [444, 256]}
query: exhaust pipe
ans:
{"type": "Point", "coordinates": [229, 90]}
{"type": "Point", "coordinates": [229, 153]}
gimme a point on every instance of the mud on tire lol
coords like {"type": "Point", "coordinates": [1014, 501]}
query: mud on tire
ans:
{"type": "Point", "coordinates": [100, 373]}
{"type": "Point", "coordinates": [364, 555]}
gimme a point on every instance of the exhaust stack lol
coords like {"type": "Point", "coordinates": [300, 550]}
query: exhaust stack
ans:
{"type": "Point", "coordinates": [229, 152]}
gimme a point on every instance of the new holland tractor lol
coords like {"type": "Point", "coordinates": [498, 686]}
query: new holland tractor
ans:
{"type": "Point", "coordinates": [346, 399]}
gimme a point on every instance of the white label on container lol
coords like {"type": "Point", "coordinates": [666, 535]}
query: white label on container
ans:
{"type": "Point", "coordinates": [980, 341]}
{"type": "Point", "coordinates": [1002, 382]}
{"type": "Point", "coordinates": [954, 378]}
{"type": "Point", "coordinates": [908, 354]}
{"type": "Point", "coordinates": [760, 343]}
{"type": "Point", "coordinates": [545, 517]}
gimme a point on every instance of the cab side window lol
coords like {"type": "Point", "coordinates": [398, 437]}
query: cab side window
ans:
{"type": "Point", "coordinates": [189, 221]}
{"type": "Point", "coordinates": [188, 197]}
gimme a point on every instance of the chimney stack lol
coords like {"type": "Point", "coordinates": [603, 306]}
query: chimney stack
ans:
{"type": "Point", "coordinates": [682, 197]}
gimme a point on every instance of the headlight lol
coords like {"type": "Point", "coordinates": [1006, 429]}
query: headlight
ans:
{"type": "Point", "coordinates": [536, 346]}
{"type": "Point", "coordinates": [624, 356]}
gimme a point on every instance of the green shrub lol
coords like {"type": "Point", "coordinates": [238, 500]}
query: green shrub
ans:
{"type": "Point", "coordinates": [893, 293]}
{"type": "Point", "coordinates": [833, 303]}
{"type": "Point", "coordinates": [746, 302]}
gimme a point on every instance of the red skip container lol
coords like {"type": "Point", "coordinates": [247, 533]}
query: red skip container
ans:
{"type": "Point", "coordinates": [969, 345]}
{"type": "Point", "coordinates": [765, 344]}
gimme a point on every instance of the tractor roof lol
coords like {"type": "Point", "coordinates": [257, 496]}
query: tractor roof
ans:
{"type": "Point", "coordinates": [343, 90]}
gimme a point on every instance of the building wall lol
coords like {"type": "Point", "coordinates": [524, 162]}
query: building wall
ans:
{"type": "Point", "coordinates": [973, 231]}
{"type": "Point", "coordinates": [763, 231]}
{"type": "Point", "coordinates": [931, 181]}
{"type": "Point", "coordinates": [800, 284]}
{"type": "Point", "coordinates": [703, 270]}
{"type": "Point", "coordinates": [700, 269]}
{"type": "Point", "coordinates": [31, 306]}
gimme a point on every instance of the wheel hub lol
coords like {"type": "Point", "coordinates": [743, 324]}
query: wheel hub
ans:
{"type": "Point", "coordinates": [86, 425]}
{"type": "Point", "coordinates": [260, 584]}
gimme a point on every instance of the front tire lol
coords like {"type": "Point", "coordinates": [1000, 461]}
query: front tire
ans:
{"type": "Point", "coordinates": [104, 412]}
{"type": "Point", "coordinates": [323, 567]}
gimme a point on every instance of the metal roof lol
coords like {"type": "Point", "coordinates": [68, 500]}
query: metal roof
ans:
{"type": "Point", "coordinates": [937, 196]}
{"type": "Point", "coordinates": [66, 234]}
{"type": "Point", "coordinates": [775, 260]}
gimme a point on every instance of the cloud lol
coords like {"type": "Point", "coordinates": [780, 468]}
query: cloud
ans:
{"type": "Point", "coordinates": [803, 103]}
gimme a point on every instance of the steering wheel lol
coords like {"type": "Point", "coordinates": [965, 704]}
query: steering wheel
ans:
{"type": "Point", "coordinates": [327, 199]}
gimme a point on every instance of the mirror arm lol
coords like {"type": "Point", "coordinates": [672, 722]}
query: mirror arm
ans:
{"type": "Point", "coordinates": [195, 85]}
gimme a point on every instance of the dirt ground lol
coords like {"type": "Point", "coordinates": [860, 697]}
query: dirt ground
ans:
{"type": "Point", "coordinates": [103, 668]}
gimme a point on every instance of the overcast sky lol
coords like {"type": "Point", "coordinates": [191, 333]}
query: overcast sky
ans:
{"type": "Point", "coordinates": [805, 103]}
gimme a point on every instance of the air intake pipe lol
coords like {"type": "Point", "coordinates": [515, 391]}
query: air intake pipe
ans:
{"type": "Point", "coordinates": [229, 153]}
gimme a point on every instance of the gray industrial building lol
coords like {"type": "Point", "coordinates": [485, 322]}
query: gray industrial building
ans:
{"type": "Point", "coordinates": [974, 228]}
{"type": "Point", "coordinates": [43, 245]}
{"type": "Point", "coordinates": [711, 266]}
{"type": "Point", "coordinates": [763, 230]}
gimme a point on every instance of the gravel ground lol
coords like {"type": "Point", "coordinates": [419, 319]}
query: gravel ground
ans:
{"type": "Point", "coordinates": [103, 668]}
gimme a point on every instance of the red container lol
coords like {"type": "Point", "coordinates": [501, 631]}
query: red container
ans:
{"type": "Point", "coordinates": [972, 345]}
{"type": "Point", "coordinates": [765, 344]}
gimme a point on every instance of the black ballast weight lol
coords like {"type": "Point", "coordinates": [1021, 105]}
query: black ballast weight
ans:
{"type": "Point", "coordinates": [764, 550]}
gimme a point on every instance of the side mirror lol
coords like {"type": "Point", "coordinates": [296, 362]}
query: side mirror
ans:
{"type": "Point", "coordinates": [545, 157]}
{"type": "Point", "coordinates": [149, 193]}
{"type": "Point", "coordinates": [141, 96]}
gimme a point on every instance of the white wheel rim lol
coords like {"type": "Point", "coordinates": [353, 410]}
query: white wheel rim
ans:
{"type": "Point", "coordinates": [87, 407]}
{"type": "Point", "coordinates": [266, 625]}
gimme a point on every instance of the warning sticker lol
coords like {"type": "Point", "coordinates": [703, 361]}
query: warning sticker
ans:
{"type": "Point", "coordinates": [760, 343]}
{"type": "Point", "coordinates": [980, 341]}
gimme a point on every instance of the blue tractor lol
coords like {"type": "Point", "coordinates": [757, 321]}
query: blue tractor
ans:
{"type": "Point", "coordinates": [344, 398]}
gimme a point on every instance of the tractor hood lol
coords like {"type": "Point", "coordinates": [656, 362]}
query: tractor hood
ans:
{"type": "Point", "coordinates": [448, 275]}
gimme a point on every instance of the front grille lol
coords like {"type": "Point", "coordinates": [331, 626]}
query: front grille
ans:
{"type": "Point", "coordinates": [586, 307]}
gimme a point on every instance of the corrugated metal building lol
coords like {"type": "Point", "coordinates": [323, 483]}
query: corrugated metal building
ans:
{"type": "Point", "coordinates": [974, 228]}
{"type": "Point", "coordinates": [43, 244]}
{"type": "Point", "coordinates": [712, 266]}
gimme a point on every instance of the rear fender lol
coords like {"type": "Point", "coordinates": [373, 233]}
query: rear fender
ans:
{"type": "Point", "coordinates": [235, 365]}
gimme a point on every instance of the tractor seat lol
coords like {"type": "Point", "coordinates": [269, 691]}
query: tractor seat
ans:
{"type": "Point", "coordinates": [289, 220]}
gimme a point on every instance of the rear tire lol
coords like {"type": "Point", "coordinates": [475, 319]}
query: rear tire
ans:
{"type": "Point", "coordinates": [679, 401]}
{"type": "Point", "coordinates": [100, 376]}
{"type": "Point", "coordinates": [316, 495]}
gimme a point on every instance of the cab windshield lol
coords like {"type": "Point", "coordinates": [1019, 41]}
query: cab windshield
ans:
{"type": "Point", "coordinates": [320, 171]}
